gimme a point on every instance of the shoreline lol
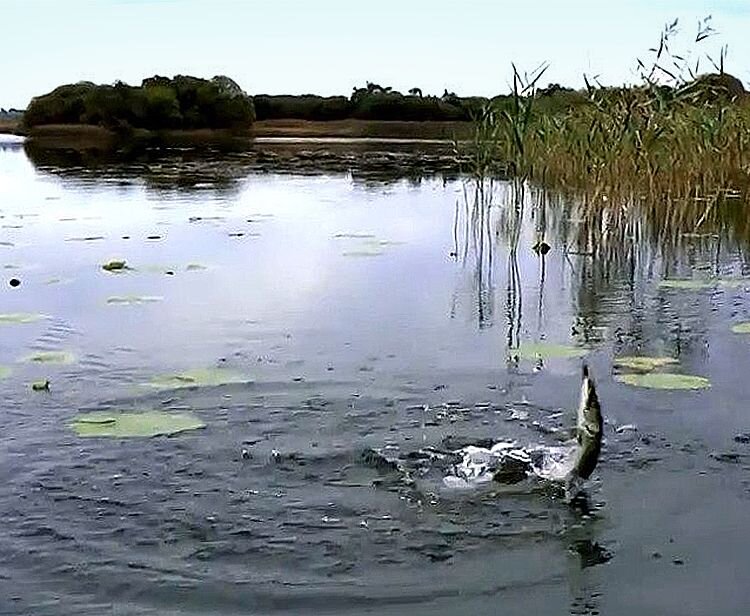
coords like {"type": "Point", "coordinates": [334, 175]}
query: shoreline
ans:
{"type": "Point", "coordinates": [84, 136]}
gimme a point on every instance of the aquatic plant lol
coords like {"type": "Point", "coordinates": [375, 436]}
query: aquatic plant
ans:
{"type": "Point", "coordinates": [664, 380]}
{"type": "Point", "coordinates": [130, 425]}
{"type": "Point", "coordinates": [51, 357]}
{"type": "Point", "coordinates": [671, 151]}
{"type": "Point", "coordinates": [642, 363]}
{"type": "Point", "coordinates": [115, 266]}
{"type": "Point", "coordinates": [200, 377]}
{"type": "Point", "coordinates": [741, 328]}
{"type": "Point", "coordinates": [20, 318]}
{"type": "Point", "coordinates": [543, 350]}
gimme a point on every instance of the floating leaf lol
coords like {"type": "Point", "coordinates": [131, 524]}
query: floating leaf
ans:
{"type": "Point", "coordinates": [202, 377]}
{"type": "Point", "coordinates": [644, 364]}
{"type": "Point", "coordinates": [20, 318]}
{"type": "Point", "coordinates": [51, 357]}
{"type": "Point", "coordinates": [542, 350]}
{"type": "Point", "coordinates": [664, 381]}
{"type": "Point", "coordinates": [114, 266]}
{"type": "Point", "coordinates": [4, 372]}
{"type": "Point", "coordinates": [131, 300]}
{"type": "Point", "coordinates": [741, 328]}
{"type": "Point", "coordinates": [692, 284]}
{"type": "Point", "coordinates": [125, 425]}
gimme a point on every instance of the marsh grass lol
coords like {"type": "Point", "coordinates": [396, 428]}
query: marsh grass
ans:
{"type": "Point", "coordinates": [675, 148]}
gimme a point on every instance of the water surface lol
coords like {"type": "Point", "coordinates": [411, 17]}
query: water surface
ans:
{"type": "Point", "coordinates": [363, 313]}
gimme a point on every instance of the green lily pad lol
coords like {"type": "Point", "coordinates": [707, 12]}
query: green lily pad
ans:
{"type": "Point", "coordinates": [61, 358]}
{"type": "Point", "coordinates": [643, 364]}
{"type": "Point", "coordinates": [202, 377]}
{"type": "Point", "coordinates": [20, 318]}
{"type": "Point", "coordinates": [115, 266]}
{"type": "Point", "coordinates": [664, 381]}
{"type": "Point", "coordinates": [692, 284]}
{"type": "Point", "coordinates": [132, 300]}
{"type": "Point", "coordinates": [741, 328]}
{"type": "Point", "coordinates": [4, 372]}
{"type": "Point", "coordinates": [126, 425]}
{"type": "Point", "coordinates": [542, 350]}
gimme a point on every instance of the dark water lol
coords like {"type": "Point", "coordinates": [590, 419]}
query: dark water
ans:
{"type": "Point", "coordinates": [367, 313]}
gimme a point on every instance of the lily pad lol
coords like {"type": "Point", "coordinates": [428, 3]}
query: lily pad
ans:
{"type": "Point", "coordinates": [115, 266]}
{"type": "Point", "coordinates": [542, 350]}
{"type": "Point", "coordinates": [202, 377]}
{"type": "Point", "coordinates": [4, 372]}
{"type": "Point", "coordinates": [664, 381]}
{"type": "Point", "coordinates": [741, 328]}
{"type": "Point", "coordinates": [61, 358]}
{"type": "Point", "coordinates": [126, 425]}
{"type": "Point", "coordinates": [643, 364]}
{"type": "Point", "coordinates": [692, 284]}
{"type": "Point", "coordinates": [131, 300]}
{"type": "Point", "coordinates": [20, 318]}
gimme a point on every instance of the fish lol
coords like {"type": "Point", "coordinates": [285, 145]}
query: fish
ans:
{"type": "Point", "coordinates": [505, 462]}
{"type": "Point", "coordinates": [589, 431]}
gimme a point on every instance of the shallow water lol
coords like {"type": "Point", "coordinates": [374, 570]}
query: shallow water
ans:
{"type": "Point", "coordinates": [365, 314]}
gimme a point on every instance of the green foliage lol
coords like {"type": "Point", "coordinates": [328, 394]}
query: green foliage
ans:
{"type": "Point", "coordinates": [305, 107]}
{"type": "Point", "coordinates": [373, 102]}
{"type": "Point", "coordinates": [183, 102]}
{"type": "Point", "coordinates": [395, 106]}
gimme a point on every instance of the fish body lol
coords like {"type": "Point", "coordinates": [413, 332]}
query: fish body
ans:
{"type": "Point", "coordinates": [589, 429]}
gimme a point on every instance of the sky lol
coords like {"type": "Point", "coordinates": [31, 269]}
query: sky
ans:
{"type": "Point", "coordinates": [330, 46]}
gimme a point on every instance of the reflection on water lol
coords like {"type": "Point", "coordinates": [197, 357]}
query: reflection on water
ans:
{"type": "Point", "coordinates": [367, 312]}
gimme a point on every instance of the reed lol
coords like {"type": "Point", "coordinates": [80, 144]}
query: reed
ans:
{"type": "Point", "coordinates": [675, 140]}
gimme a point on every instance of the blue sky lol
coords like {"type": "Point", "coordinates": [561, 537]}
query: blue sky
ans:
{"type": "Point", "coordinates": [330, 46]}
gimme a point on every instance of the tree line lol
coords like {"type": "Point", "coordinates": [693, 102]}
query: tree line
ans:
{"type": "Point", "coordinates": [182, 102]}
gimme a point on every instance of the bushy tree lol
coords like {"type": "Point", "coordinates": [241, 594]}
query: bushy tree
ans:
{"type": "Point", "coordinates": [183, 102]}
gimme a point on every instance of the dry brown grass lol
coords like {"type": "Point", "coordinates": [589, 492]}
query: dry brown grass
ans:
{"type": "Point", "coordinates": [12, 127]}
{"type": "Point", "coordinates": [363, 129]}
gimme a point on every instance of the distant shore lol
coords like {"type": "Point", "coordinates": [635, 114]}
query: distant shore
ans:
{"type": "Point", "coordinates": [10, 127]}
{"type": "Point", "coordinates": [82, 136]}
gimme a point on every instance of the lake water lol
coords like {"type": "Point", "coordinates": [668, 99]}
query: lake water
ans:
{"type": "Point", "coordinates": [360, 313]}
